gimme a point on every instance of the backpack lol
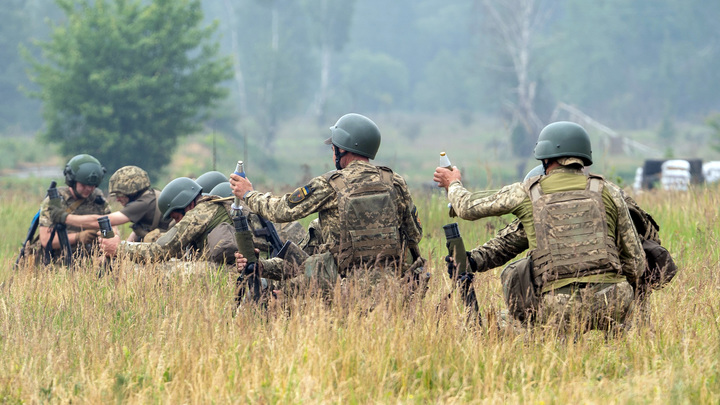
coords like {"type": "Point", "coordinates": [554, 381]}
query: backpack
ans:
{"type": "Point", "coordinates": [369, 219]}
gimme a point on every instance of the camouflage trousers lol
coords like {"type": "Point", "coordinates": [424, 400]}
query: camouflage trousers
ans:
{"type": "Point", "coordinates": [587, 306]}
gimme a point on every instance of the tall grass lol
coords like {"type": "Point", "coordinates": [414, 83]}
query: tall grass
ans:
{"type": "Point", "coordinates": [143, 334]}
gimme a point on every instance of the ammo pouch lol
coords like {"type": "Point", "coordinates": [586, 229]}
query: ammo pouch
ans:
{"type": "Point", "coordinates": [322, 269]}
{"type": "Point", "coordinates": [520, 293]}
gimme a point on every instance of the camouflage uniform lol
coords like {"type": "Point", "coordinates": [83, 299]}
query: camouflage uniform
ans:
{"type": "Point", "coordinates": [94, 204]}
{"type": "Point", "coordinates": [320, 197]}
{"type": "Point", "coordinates": [145, 215]}
{"type": "Point", "coordinates": [189, 236]}
{"type": "Point", "coordinates": [142, 209]}
{"type": "Point", "coordinates": [603, 293]}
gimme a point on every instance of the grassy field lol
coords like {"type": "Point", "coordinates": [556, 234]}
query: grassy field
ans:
{"type": "Point", "coordinates": [142, 336]}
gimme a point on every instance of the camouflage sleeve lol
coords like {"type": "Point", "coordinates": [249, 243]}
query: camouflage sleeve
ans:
{"type": "Point", "coordinates": [409, 223]}
{"type": "Point", "coordinates": [472, 206]}
{"type": "Point", "coordinates": [273, 268]}
{"type": "Point", "coordinates": [506, 245]}
{"type": "Point", "coordinates": [318, 195]}
{"type": "Point", "coordinates": [173, 242]}
{"type": "Point", "coordinates": [44, 219]}
{"type": "Point", "coordinates": [632, 256]}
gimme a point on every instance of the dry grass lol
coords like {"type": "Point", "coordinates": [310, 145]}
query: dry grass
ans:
{"type": "Point", "coordinates": [140, 336]}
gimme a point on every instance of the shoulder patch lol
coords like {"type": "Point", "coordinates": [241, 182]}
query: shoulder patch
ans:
{"type": "Point", "coordinates": [300, 194]}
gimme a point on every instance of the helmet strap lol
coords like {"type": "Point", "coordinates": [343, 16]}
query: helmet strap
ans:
{"type": "Point", "coordinates": [338, 156]}
{"type": "Point", "coordinates": [545, 163]}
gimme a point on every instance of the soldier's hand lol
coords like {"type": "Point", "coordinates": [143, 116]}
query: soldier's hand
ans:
{"type": "Point", "coordinates": [58, 215]}
{"type": "Point", "coordinates": [241, 261]}
{"type": "Point", "coordinates": [451, 267]}
{"type": "Point", "coordinates": [109, 246]}
{"type": "Point", "coordinates": [86, 236]}
{"type": "Point", "coordinates": [240, 185]}
{"type": "Point", "coordinates": [444, 176]}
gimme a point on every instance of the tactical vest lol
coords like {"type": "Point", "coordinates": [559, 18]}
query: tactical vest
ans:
{"type": "Point", "coordinates": [369, 222]}
{"type": "Point", "coordinates": [572, 233]}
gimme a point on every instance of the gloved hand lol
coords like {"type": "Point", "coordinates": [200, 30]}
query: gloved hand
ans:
{"type": "Point", "coordinates": [58, 215]}
{"type": "Point", "coordinates": [452, 267]}
{"type": "Point", "coordinates": [86, 236]}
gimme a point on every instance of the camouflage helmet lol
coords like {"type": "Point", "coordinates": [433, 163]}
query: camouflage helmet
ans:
{"type": "Point", "coordinates": [178, 194]}
{"type": "Point", "coordinates": [84, 169]}
{"type": "Point", "coordinates": [222, 190]}
{"type": "Point", "coordinates": [210, 179]}
{"type": "Point", "coordinates": [129, 181]}
{"type": "Point", "coordinates": [564, 139]}
{"type": "Point", "coordinates": [357, 134]}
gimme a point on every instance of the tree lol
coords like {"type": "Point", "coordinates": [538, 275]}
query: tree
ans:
{"type": "Point", "coordinates": [124, 79]}
{"type": "Point", "coordinates": [330, 22]}
{"type": "Point", "coordinates": [515, 26]}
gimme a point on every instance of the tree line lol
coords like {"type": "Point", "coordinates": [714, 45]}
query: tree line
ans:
{"type": "Point", "coordinates": [153, 70]}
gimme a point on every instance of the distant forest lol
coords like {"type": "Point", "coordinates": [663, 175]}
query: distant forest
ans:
{"type": "Point", "coordinates": [630, 64]}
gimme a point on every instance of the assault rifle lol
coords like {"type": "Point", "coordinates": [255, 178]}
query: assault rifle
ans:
{"type": "Point", "coordinates": [59, 229]}
{"type": "Point", "coordinates": [28, 239]}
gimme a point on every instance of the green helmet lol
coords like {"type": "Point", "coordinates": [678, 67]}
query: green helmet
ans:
{"type": "Point", "coordinates": [210, 179]}
{"type": "Point", "coordinates": [83, 169]}
{"type": "Point", "coordinates": [222, 190]}
{"type": "Point", "coordinates": [129, 181]}
{"type": "Point", "coordinates": [178, 194]}
{"type": "Point", "coordinates": [538, 170]}
{"type": "Point", "coordinates": [564, 139]}
{"type": "Point", "coordinates": [357, 134]}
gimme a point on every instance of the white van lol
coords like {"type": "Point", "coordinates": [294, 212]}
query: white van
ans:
{"type": "Point", "coordinates": [675, 175]}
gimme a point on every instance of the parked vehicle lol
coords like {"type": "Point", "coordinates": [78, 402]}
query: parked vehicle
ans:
{"type": "Point", "coordinates": [711, 171]}
{"type": "Point", "coordinates": [675, 175]}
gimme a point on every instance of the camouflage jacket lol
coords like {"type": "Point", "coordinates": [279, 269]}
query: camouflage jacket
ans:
{"type": "Point", "coordinates": [513, 199]}
{"type": "Point", "coordinates": [187, 236]}
{"type": "Point", "coordinates": [94, 204]}
{"type": "Point", "coordinates": [318, 196]}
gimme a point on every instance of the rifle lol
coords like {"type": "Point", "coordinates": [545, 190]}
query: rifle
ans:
{"type": "Point", "coordinates": [463, 278]}
{"type": "Point", "coordinates": [30, 235]}
{"type": "Point", "coordinates": [60, 230]}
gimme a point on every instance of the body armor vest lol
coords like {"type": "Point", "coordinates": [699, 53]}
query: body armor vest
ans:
{"type": "Point", "coordinates": [572, 233]}
{"type": "Point", "coordinates": [369, 220]}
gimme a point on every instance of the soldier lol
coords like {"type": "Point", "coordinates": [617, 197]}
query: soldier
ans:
{"type": "Point", "coordinates": [209, 180]}
{"type": "Point", "coordinates": [83, 173]}
{"type": "Point", "coordinates": [195, 216]}
{"type": "Point", "coordinates": [584, 250]}
{"type": "Point", "coordinates": [512, 241]}
{"type": "Point", "coordinates": [131, 187]}
{"type": "Point", "coordinates": [366, 215]}
{"type": "Point", "coordinates": [203, 228]}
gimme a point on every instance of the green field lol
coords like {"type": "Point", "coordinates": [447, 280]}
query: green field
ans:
{"type": "Point", "coordinates": [140, 335]}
